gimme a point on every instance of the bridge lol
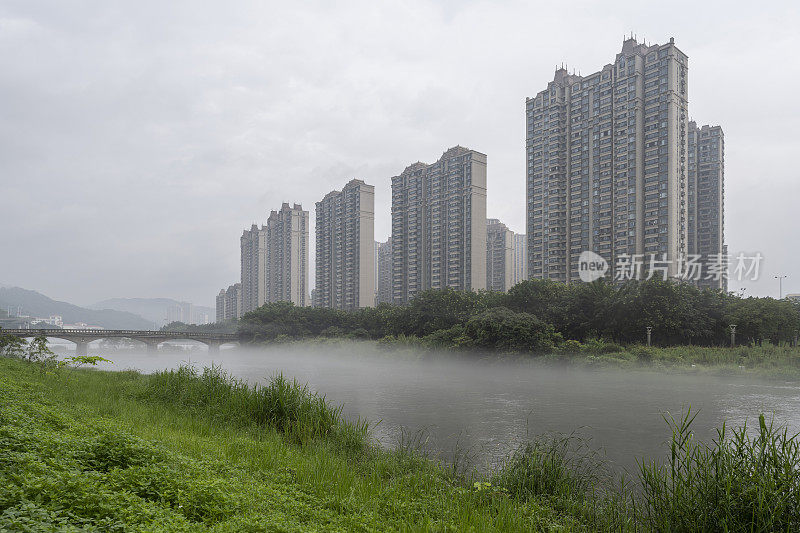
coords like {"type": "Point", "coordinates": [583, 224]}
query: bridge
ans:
{"type": "Point", "coordinates": [82, 337]}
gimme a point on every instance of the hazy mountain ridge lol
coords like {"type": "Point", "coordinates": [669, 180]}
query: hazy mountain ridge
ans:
{"type": "Point", "coordinates": [152, 309]}
{"type": "Point", "coordinates": [35, 304]}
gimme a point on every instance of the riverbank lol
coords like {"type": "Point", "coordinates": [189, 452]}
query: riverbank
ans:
{"type": "Point", "coordinates": [85, 448]}
{"type": "Point", "coordinates": [185, 451]}
{"type": "Point", "coordinates": [768, 361]}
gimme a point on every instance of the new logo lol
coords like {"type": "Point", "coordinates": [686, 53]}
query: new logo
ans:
{"type": "Point", "coordinates": [591, 266]}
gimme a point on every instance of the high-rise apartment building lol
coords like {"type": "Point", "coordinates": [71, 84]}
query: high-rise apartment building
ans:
{"type": "Point", "coordinates": [606, 162]}
{"type": "Point", "coordinates": [385, 272]}
{"type": "Point", "coordinates": [706, 195]}
{"type": "Point", "coordinates": [220, 306]}
{"type": "Point", "coordinates": [439, 225]}
{"type": "Point", "coordinates": [520, 258]}
{"type": "Point", "coordinates": [345, 229]}
{"type": "Point", "coordinates": [229, 303]}
{"type": "Point", "coordinates": [181, 312]}
{"type": "Point", "coordinates": [233, 301]}
{"type": "Point", "coordinates": [287, 255]}
{"type": "Point", "coordinates": [254, 268]}
{"type": "Point", "coordinates": [499, 256]}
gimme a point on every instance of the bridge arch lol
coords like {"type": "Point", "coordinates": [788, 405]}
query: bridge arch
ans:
{"type": "Point", "coordinates": [152, 339]}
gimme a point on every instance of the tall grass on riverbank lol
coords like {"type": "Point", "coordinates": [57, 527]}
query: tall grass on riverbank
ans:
{"type": "Point", "coordinates": [289, 407]}
{"type": "Point", "coordinates": [739, 482]}
{"type": "Point", "coordinates": [565, 472]}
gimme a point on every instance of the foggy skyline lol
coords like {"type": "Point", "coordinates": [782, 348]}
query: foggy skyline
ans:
{"type": "Point", "coordinates": [137, 142]}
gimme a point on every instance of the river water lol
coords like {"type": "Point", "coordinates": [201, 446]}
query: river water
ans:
{"type": "Point", "coordinates": [486, 409]}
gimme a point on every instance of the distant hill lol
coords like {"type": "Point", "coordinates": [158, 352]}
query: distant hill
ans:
{"type": "Point", "coordinates": [152, 309]}
{"type": "Point", "coordinates": [35, 304]}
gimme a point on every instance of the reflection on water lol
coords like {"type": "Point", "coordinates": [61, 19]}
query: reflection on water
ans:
{"type": "Point", "coordinates": [487, 408]}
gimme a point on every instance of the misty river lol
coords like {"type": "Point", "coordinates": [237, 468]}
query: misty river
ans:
{"type": "Point", "coordinates": [487, 408]}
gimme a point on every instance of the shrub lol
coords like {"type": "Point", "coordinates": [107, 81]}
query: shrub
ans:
{"type": "Point", "coordinates": [501, 328]}
{"type": "Point", "coordinates": [570, 347]}
{"type": "Point", "coordinates": [602, 346]}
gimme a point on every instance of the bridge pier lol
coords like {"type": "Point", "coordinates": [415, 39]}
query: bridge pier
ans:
{"type": "Point", "coordinates": [213, 347]}
{"type": "Point", "coordinates": [81, 348]}
{"type": "Point", "coordinates": [152, 348]}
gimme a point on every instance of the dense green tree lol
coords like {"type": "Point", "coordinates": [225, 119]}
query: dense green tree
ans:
{"type": "Point", "coordinates": [500, 328]}
{"type": "Point", "coordinates": [679, 314]}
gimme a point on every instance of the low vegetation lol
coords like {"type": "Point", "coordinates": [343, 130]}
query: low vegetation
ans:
{"type": "Point", "coordinates": [743, 481]}
{"type": "Point", "coordinates": [187, 451]}
{"type": "Point", "coordinates": [282, 404]}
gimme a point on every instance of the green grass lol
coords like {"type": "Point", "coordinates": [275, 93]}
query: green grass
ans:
{"type": "Point", "coordinates": [187, 451]}
{"type": "Point", "coordinates": [284, 405]}
{"type": "Point", "coordinates": [82, 449]}
{"type": "Point", "coordinates": [769, 361]}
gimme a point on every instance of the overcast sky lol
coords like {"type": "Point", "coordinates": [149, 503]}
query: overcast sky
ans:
{"type": "Point", "coordinates": [138, 139]}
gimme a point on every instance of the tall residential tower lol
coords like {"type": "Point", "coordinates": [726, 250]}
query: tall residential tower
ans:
{"type": "Point", "coordinates": [287, 255]}
{"type": "Point", "coordinates": [520, 258]}
{"type": "Point", "coordinates": [706, 195]}
{"type": "Point", "coordinates": [254, 268]}
{"type": "Point", "coordinates": [439, 225]}
{"type": "Point", "coordinates": [499, 256]}
{"type": "Point", "coordinates": [345, 229]}
{"type": "Point", "coordinates": [606, 162]}
{"type": "Point", "coordinates": [384, 259]}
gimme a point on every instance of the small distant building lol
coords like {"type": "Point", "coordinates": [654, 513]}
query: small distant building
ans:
{"type": "Point", "coordinates": [16, 322]}
{"type": "Point", "coordinates": [81, 325]}
{"type": "Point", "coordinates": [794, 297]}
{"type": "Point", "coordinates": [53, 320]}
{"type": "Point", "coordinates": [181, 312]}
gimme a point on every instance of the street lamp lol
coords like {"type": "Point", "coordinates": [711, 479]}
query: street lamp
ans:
{"type": "Point", "coordinates": [733, 335]}
{"type": "Point", "coordinates": [780, 286]}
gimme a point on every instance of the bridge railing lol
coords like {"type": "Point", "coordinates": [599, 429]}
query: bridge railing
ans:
{"type": "Point", "coordinates": [119, 333]}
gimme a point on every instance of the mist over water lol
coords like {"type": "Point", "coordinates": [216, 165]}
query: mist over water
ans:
{"type": "Point", "coordinates": [488, 407]}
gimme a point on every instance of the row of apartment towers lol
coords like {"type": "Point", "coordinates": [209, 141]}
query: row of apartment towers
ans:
{"type": "Point", "coordinates": [613, 165]}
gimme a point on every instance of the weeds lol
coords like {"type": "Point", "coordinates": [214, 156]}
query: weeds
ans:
{"type": "Point", "coordinates": [282, 404]}
{"type": "Point", "coordinates": [571, 478]}
{"type": "Point", "coordinates": [739, 482]}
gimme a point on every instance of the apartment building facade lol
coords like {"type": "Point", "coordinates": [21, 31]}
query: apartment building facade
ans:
{"type": "Point", "coordinates": [345, 241]}
{"type": "Point", "coordinates": [253, 268]}
{"type": "Point", "coordinates": [287, 255]}
{"type": "Point", "coordinates": [384, 259]}
{"type": "Point", "coordinates": [229, 303]}
{"type": "Point", "coordinates": [706, 201]}
{"type": "Point", "coordinates": [439, 225]}
{"type": "Point", "coordinates": [520, 258]}
{"type": "Point", "coordinates": [220, 306]}
{"type": "Point", "coordinates": [499, 256]}
{"type": "Point", "coordinates": [606, 162]}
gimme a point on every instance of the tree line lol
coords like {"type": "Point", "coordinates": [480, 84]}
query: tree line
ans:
{"type": "Point", "coordinates": [538, 315]}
